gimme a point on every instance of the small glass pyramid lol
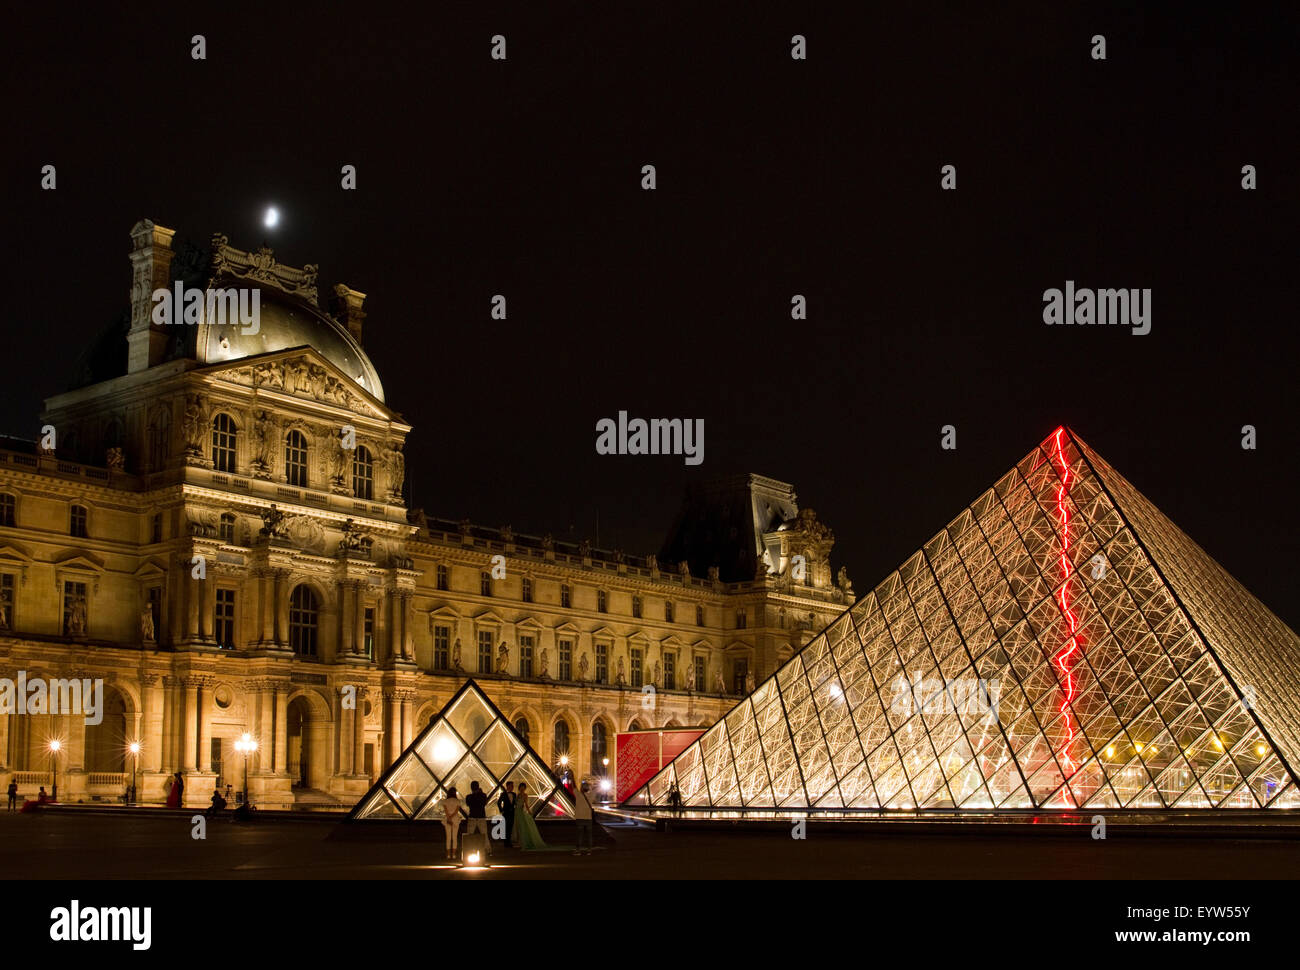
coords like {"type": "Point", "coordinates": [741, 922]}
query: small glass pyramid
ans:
{"type": "Point", "coordinates": [1060, 645]}
{"type": "Point", "coordinates": [469, 740]}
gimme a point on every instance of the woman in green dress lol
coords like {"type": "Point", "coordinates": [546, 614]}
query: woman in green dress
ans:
{"type": "Point", "coordinates": [525, 826]}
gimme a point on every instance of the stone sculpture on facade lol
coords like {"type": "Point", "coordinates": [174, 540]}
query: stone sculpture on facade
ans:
{"type": "Point", "coordinates": [582, 667]}
{"type": "Point", "coordinates": [146, 625]}
{"type": "Point", "coordinates": [503, 658]}
{"type": "Point", "coordinates": [620, 680]}
{"type": "Point", "coordinates": [273, 524]}
{"type": "Point", "coordinates": [455, 656]}
{"type": "Point", "coordinates": [545, 664]}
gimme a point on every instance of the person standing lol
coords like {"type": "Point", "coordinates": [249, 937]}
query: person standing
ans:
{"type": "Point", "coordinates": [582, 815]}
{"type": "Point", "coordinates": [476, 802]}
{"type": "Point", "coordinates": [451, 812]}
{"type": "Point", "coordinates": [506, 803]}
{"type": "Point", "coordinates": [13, 795]}
{"type": "Point", "coordinates": [529, 837]}
{"type": "Point", "coordinates": [174, 799]}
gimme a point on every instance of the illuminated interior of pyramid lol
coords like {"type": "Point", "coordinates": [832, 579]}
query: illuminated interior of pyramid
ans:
{"type": "Point", "coordinates": [1060, 645]}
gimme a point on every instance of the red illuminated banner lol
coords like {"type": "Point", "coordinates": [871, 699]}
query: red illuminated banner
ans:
{"type": "Point", "coordinates": [638, 756]}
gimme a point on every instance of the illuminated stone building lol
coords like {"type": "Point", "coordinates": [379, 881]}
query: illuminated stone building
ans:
{"type": "Point", "coordinates": [214, 525]}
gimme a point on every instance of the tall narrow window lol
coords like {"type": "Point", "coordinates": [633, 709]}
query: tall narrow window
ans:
{"type": "Point", "coordinates": [739, 672]}
{"type": "Point", "coordinates": [74, 609]}
{"type": "Point", "coordinates": [602, 663]}
{"type": "Point", "coordinates": [485, 651]}
{"type": "Point", "coordinates": [368, 631]}
{"type": "Point", "coordinates": [155, 528]}
{"type": "Point", "coordinates": [155, 608]}
{"type": "Point", "coordinates": [363, 473]}
{"type": "Point", "coordinates": [565, 650]}
{"type": "Point", "coordinates": [526, 644]}
{"type": "Point", "coordinates": [599, 747]}
{"type": "Point", "coordinates": [742, 618]}
{"type": "Point", "coordinates": [441, 647]}
{"type": "Point", "coordinates": [699, 615]}
{"type": "Point", "coordinates": [561, 739]}
{"type": "Point", "coordinates": [700, 670]}
{"type": "Point", "coordinates": [521, 727]}
{"type": "Point", "coordinates": [6, 601]}
{"type": "Point", "coordinates": [634, 661]}
{"type": "Point", "coordinates": [566, 596]}
{"type": "Point", "coordinates": [295, 459]}
{"type": "Point", "coordinates": [224, 625]}
{"type": "Point", "coordinates": [485, 584]}
{"type": "Point", "coordinates": [77, 521]}
{"type": "Point", "coordinates": [670, 671]}
{"type": "Point", "coordinates": [602, 601]}
{"type": "Point", "coordinates": [223, 443]}
{"type": "Point", "coordinates": [441, 577]}
{"type": "Point", "coordinates": [226, 529]}
{"type": "Point", "coordinates": [668, 611]}
{"type": "Point", "coordinates": [636, 606]}
{"type": "Point", "coordinates": [527, 594]}
{"type": "Point", "coordinates": [303, 616]}
{"type": "Point", "coordinates": [8, 510]}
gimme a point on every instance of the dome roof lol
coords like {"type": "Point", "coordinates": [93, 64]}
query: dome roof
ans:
{"type": "Point", "coordinates": [289, 316]}
{"type": "Point", "coordinates": [285, 322]}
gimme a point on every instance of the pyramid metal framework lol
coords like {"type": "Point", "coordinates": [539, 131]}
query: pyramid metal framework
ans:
{"type": "Point", "coordinates": [469, 740]}
{"type": "Point", "coordinates": [1060, 645]}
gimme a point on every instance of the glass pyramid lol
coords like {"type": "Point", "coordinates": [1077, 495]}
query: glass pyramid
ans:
{"type": "Point", "coordinates": [469, 740]}
{"type": "Point", "coordinates": [1061, 644]}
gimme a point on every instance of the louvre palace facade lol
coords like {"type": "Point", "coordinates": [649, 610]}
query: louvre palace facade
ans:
{"type": "Point", "coordinates": [213, 524]}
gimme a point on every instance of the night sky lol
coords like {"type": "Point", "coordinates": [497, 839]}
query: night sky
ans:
{"type": "Point", "coordinates": [775, 177]}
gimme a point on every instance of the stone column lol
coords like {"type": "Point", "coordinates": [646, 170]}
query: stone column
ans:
{"type": "Point", "coordinates": [408, 625]}
{"type": "Point", "coordinates": [191, 721]}
{"type": "Point", "coordinates": [208, 616]}
{"type": "Point", "coordinates": [266, 605]}
{"type": "Point", "coordinates": [4, 740]}
{"type": "Point", "coordinates": [282, 729]}
{"type": "Point", "coordinates": [359, 616]}
{"type": "Point", "coordinates": [345, 732]}
{"type": "Point", "coordinates": [281, 607]}
{"type": "Point", "coordinates": [204, 717]}
{"type": "Point", "coordinates": [151, 730]}
{"type": "Point", "coordinates": [392, 729]}
{"type": "Point", "coordinates": [408, 716]}
{"type": "Point", "coordinates": [193, 595]}
{"type": "Point", "coordinates": [347, 626]}
{"type": "Point", "coordinates": [359, 734]}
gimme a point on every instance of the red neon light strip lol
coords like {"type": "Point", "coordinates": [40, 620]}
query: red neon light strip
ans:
{"type": "Point", "coordinates": [1072, 645]}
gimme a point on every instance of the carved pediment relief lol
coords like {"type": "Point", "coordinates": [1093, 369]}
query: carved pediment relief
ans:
{"type": "Point", "coordinates": [302, 376]}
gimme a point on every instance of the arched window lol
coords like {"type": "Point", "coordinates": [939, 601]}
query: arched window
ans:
{"type": "Point", "coordinates": [634, 726]}
{"type": "Point", "coordinates": [295, 459]}
{"type": "Point", "coordinates": [561, 738]}
{"type": "Point", "coordinates": [8, 509]}
{"type": "Point", "coordinates": [77, 521]}
{"type": "Point", "coordinates": [227, 528]}
{"type": "Point", "coordinates": [521, 725]}
{"type": "Point", "coordinates": [303, 613]}
{"type": "Point", "coordinates": [363, 473]}
{"type": "Point", "coordinates": [599, 748]}
{"type": "Point", "coordinates": [223, 443]}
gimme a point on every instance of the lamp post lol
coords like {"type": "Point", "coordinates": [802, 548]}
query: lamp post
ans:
{"type": "Point", "coordinates": [135, 761]}
{"type": "Point", "coordinates": [246, 746]}
{"type": "Point", "coordinates": [604, 781]}
{"type": "Point", "coordinates": [55, 747]}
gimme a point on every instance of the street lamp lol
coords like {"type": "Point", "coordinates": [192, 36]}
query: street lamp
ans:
{"type": "Point", "coordinates": [135, 761]}
{"type": "Point", "coordinates": [55, 746]}
{"type": "Point", "coordinates": [246, 746]}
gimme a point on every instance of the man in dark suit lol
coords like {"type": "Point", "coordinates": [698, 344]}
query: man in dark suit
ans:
{"type": "Point", "coordinates": [507, 805]}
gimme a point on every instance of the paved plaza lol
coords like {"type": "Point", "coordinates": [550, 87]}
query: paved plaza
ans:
{"type": "Point", "coordinates": [110, 845]}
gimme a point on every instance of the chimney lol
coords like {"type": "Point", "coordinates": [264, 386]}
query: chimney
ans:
{"type": "Point", "coordinates": [151, 262]}
{"type": "Point", "coordinates": [347, 309]}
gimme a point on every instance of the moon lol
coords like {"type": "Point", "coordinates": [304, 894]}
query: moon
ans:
{"type": "Point", "coordinates": [272, 217]}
